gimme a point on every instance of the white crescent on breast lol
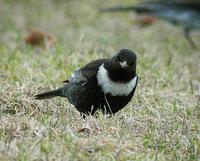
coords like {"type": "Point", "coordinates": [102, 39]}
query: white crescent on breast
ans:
{"type": "Point", "coordinates": [114, 88]}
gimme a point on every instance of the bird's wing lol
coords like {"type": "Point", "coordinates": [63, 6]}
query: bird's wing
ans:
{"type": "Point", "coordinates": [86, 73]}
{"type": "Point", "coordinates": [78, 89]}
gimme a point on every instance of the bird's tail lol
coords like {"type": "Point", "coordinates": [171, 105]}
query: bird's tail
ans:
{"type": "Point", "coordinates": [137, 9]}
{"type": "Point", "coordinates": [50, 94]}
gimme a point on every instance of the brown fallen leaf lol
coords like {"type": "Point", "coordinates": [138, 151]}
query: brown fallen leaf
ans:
{"type": "Point", "coordinates": [145, 20]}
{"type": "Point", "coordinates": [35, 37]}
{"type": "Point", "coordinates": [82, 130]}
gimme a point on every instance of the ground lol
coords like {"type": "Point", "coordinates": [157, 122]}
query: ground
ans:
{"type": "Point", "coordinates": [162, 122]}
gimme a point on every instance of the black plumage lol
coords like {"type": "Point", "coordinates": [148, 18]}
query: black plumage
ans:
{"type": "Point", "coordinates": [104, 84]}
{"type": "Point", "coordinates": [183, 13]}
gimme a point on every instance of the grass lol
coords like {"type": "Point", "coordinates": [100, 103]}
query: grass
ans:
{"type": "Point", "coordinates": [162, 122]}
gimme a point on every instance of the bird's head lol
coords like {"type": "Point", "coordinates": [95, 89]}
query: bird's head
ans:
{"type": "Point", "coordinates": [122, 66]}
{"type": "Point", "coordinates": [125, 59]}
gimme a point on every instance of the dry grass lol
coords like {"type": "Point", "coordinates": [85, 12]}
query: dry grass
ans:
{"type": "Point", "coordinates": [161, 123]}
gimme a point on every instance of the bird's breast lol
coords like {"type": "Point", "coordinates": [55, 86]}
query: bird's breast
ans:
{"type": "Point", "coordinates": [114, 88]}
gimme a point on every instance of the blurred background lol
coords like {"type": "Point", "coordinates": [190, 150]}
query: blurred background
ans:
{"type": "Point", "coordinates": [79, 28]}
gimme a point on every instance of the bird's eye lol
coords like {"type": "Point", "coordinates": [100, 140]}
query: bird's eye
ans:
{"type": "Point", "coordinates": [119, 58]}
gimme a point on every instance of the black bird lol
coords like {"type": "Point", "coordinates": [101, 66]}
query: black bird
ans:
{"type": "Point", "coordinates": [104, 84]}
{"type": "Point", "coordinates": [183, 13]}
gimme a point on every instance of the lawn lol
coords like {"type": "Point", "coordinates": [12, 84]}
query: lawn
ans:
{"type": "Point", "coordinates": [162, 122]}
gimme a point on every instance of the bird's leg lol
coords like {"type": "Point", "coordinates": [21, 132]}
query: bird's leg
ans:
{"type": "Point", "coordinates": [186, 32]}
